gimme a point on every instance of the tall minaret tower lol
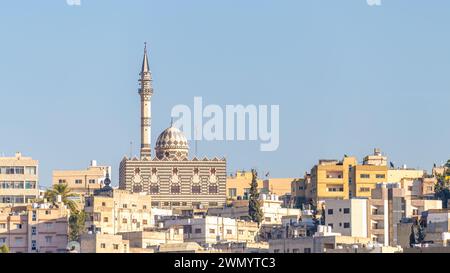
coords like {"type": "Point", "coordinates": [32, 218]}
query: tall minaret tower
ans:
{"type": "Point", "coordinates": [146, 92]}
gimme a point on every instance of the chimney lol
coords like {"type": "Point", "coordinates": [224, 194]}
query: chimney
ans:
{"type": "Point", "coordinates": [93, 163]}
{"type": "Point", "coordinates": [18, 155]}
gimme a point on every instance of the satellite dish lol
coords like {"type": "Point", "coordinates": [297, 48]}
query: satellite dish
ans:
{"type": "Point", "coordinates": [73, 247]}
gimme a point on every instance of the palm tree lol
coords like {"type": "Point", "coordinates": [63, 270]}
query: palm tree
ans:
{"type": "Point", "coordinates": [65, 192]}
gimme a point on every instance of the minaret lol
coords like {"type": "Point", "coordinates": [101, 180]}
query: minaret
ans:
{"type": "Point", "coordinates": [146, 92]}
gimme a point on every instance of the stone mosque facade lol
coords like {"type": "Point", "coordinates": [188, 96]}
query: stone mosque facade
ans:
{"type": "Point", "coordinates": [172, 179]}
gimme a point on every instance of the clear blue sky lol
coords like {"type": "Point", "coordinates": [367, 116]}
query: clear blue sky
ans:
{"type": "Point", "coordinates": [348, 77]}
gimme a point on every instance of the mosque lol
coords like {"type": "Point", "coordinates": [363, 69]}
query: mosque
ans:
{"type": "Point", "coordinates": [172, 179]}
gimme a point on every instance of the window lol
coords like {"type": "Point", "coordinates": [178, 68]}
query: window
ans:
{"type": "Point", "coordinates": [48, 239]}
{"type": "Point", "coordinates": [410, 188]}
{"type": "Point", "coordinates": [116, 246]}
{"type": "Point", "coordinates": [144, 222]}
{"type": "Point", "coordinates": [330, 211]}
{"type": "Point", "coordinates": [30, 170]}
{"type": "Point", "coordinates": [19, 170]}
{"type": "Point", "coordinates": [307, 250]}
{"type": "Point", "coordinates": [267, 219]}
{"type": "Point", "coordinates": [229, 231]}
{"type": "Point", "coordinates": [48, 225]}
{"type": "Point", "coordinates": [364, 176]}
{"type": "Point", "coordinates": [2, 240]}
{"type": "Point", "coordinates": [2, 226]}
{"type": "Point", "coordinates": [346, 210]}
{"type": "Point", "coordinates": [175, 189]}
{"type": "Point", "coordinates": [33, 245]}
{"type": "Point", "coordinates": [102, 245]}
{"type": "Point", "coordinates": [212, 231]}
{"type": "Point", "coordinates": [334, 174]}
{"type": "Point", "coordinates": [19, 226]}
{"type": "Point", "coordinates": [78, 181]}
{"type": "Point", "coordinates": [196, 189]}
{"type": "Point", "coordinates": [241, 232]}
{"type": "Point", "coordinates": [276, 251]}
{"type": "Point", "coordinates": [232, 192]}
{"type": "Point", "coordinates": [18, 240]}
{"type": "Point", "coordinates": [61, 181]}
{"type": "Point", "coordinates": [380, 176]}
{"type": "Point", "coordinates": [155, 204]}
{"type": "Point", "coordinates": [103, 204]}
{"type": "Point", "coordinates": [105, 219]}
{"type": "Point", "coordinates": [144, 207]}
{"type": "Point", "coordinates": [346, 225]}
{"type": "Point", "coordinates": [91, 181]}
{"type": "Point", "coordinates": [176, 204]}
{"type": "Point", "coordinates": [125, 206]}
{"type": "Point", "coordinates": [154, 189]}
{"type": "Point", "coordinates": [198, 230]}
{"type": "Point", "coordinates": [124, 220]}
{"type": "Point", "coordinates": [364, 189]}
{"type": "Point", "coordinates": [33, 231]}
{"type": "Point", "coordinates": [213, 204]}
{"type": "Point", "coordinates": [335, 188]}
{"type": "Point", "coordinates": [48, 212]}
{"type": "Point", "coordinates": [331, 225]}
{"type": "Point", "coordinates": [212, 189]}
{"type": "Point", "coordinates": [30, 185]}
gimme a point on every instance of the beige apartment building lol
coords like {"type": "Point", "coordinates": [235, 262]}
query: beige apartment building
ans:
{"type": "Point", "coordinates": [151, 238]}
{"type": "Point", "coordinates": [344, 179]}
{"type": "Point", "coordinates": [347, 217]}
{"type": "Point", "coordinates": [271, 208]}
{"type": "Point", "coordinates": [103, 243]}
{"type": "Point", "coordinates": [211, 229]}
{"type": "Point", "coordinates": [278, 186]}
{"type": "Point", "coordinates": [301, 191]}
{"type": "Point", "coordinates": [238, 185]}
{"type": "Point", "coordinates": [330, 179]}
{"type": "Point", "coordinates": [378, 218]}
{"type": "Point", "coordinates": [388, 206]}
{"type": "Point", "coordinates": [82, 181]}
{"type": "Point", "coordinates": [112, 211]}
{"type": "Point", "coordinates": [18, 180]}
{"type": "Point", "coordinates": [35, 228]}
{"type": "Point", "coordinates": [323, 241]}
{"type": "Point", "coordinates": [396, 175]}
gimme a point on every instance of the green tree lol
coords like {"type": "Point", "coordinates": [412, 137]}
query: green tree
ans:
{"type": "Point", "coordinates": [417, 235]}
{"type": "Point", "coordinates": [442, 191]}
{"type": "Point", "coordinates": [4, 249]}
{"type": "Point", "coordinates": [62, 189]}
{"type": "Point", "coordinates": [254, 206]}
{"type": "Point", "coordinates": [76, 225]}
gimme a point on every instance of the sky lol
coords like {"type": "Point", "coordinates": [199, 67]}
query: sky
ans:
{"type": "Point", "coordinates": [347, 76]}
